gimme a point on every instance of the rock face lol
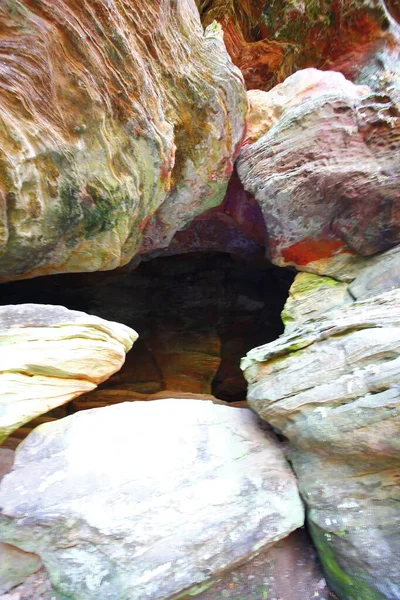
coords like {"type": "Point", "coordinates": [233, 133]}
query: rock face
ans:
{"type": "Point", "coordinates": [49, 355]}
{"type": "Point", "coordinates": [146, 500]}
{"type": "Point", "coordinates": [15, 564]}
{"type": "Point", "coordinates": [269, 40]}
{"type": "Point", "coordinates": [119, 125]}
{"type": "Point", "coordinates": [325, 146]}
{"type": "Point", "coordinates": [331, 384]}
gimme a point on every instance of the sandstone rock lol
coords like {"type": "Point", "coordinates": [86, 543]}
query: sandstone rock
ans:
{"type": "Point", "coordinates": [236, 226]}
{"type": "Point", "coordinates": [50, 355]}
{"type": "Point", "coordinates": [331, 147]}
{"type": "Point", "coordinates": [145, 500]}
{"type": "Point", "coordinates": [287, 571]}
{"type": "Point", "coordinates": [310, 296]}
{"type": "Point", "coordinates": [332, 386]}
{"type": "Point", "coordinates": [6, 461]}
{"type": "Point", "coordinates": [118, 126]}
{"type": "Point", "coordinates": [381, 274]}
{"type": "Point", "coordinates": [197, 315]}
{"type": "Point", "coordinates": [270, 39]}
{"type": "Point", "coordinates": [15, 566]}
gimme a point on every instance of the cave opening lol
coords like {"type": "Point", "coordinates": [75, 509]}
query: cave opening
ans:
{"type": "Point", "coordinates": [197, 314]}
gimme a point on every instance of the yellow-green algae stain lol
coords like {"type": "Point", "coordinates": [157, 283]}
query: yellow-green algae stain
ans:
{"type": "Point", "coordinates": [346, 586]}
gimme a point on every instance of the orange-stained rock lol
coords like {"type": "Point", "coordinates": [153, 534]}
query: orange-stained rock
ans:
{"type": "Point", "coordinates": [270, 40]}
{"type": "Point", "coordinates": [119, 123]}
{"type": "Point", "coordinates": [322, 160]}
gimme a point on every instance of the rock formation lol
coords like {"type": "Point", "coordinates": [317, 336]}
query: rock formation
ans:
{"type": "Point", "coordinates": [331, 384]}
{"type": "Point", "coordinates": [318, 147]}
{"type": "Point", "coordinates": [119, 125]}
{"type": "Point", "coordinates": [270, 40]}
{"type": "Point", "coordinates": [15, 564]}
{"type": "Point", "coordinates": [49, 355]}
{"type": "Point", "coordinates": [127, 136]}
{"type": "Point", "coordinates": [146, 500]}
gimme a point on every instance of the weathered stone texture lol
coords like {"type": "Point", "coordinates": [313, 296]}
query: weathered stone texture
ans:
{"type": "Point", "coordinates": [49, 355]}
{"type": "Point", "coordinates": [331, 384]}
{"type": "Point", "coordinates": [148, 499]}
{"type": "Point", "coordinates": [270, 40]}
{"type": "Point", "coordinates": [119, 123]}
{"type": "Point", "coordinates": [326, 146]}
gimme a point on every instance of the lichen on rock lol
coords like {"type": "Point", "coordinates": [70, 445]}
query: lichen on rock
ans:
{"type": "Point", "coordinates": [118, 125]}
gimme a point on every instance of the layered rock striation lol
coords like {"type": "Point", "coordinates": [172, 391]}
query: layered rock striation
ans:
{"type": "Point", "coordinates": [331, 384]}
{"type": "Point", "coordinates": [119, 123]}
{"type": "Point", "coordinates": [49, 355]}
{"type": "Point", "coordinates": [270, 40]}
{"type": "Point", "coordinates": [322, 160]}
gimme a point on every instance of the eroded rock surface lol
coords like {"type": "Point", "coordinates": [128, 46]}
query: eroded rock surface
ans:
{"type": "Point", "coordinates": [119, 123]}
{"type": "Point", "coordinates": [49, 355]}
{"type": "Point", "coordinates": [15, 564]}
{"type": "Point", "coordinates": [331, 384]}
{"type": "Point", "coordinates": [270, 40]}
{"type": "Point", "coordinates": [325, 169]}
{"type": "Point", "coordinates": [148, 499]}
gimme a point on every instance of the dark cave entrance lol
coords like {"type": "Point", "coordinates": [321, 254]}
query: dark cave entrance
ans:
{"type": "Point", "coordinates": [196, 314]}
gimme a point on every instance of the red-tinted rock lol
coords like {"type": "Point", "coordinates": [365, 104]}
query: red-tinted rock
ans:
{"type": "Point", "coordinates": [325, 169]}
{"type": "Point", "coordinates": [271, 40]}
{"type": "Point", "coordinates": [236, 226]}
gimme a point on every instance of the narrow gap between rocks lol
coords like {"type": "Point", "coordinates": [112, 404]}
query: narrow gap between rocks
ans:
{"type": "Point", "coordinates": [197, 315]}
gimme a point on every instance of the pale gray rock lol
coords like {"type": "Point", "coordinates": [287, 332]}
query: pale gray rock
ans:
{"type": "Point", "coordinates": [332, 386]}
{"type": "Point", "coordinates": [15, 564]}
{"type": "Point", "coordinates": [145, 500]}
{"type": "Point", "coordinates": [381, 274]}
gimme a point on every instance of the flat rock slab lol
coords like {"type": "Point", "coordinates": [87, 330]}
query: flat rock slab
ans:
{"type": "Point", "coordinates": [147, 500]}
{"type": "Point", "coordinates": [49, 355]}
{"type": "Point", "coordinates": [287, 571]}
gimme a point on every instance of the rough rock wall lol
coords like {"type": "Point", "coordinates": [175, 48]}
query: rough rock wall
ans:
{"type": "Point", "coordinates": [119, 122]}
{"type": "Point", "coordinates": [271, 40]}
{"type": "Point", "coordinates": [322, 160]}
{"type": "Point", "coordinates": [331, 385]}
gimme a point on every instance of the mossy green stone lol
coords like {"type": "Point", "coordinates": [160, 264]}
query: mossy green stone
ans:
{"type": "Point", "coordinates": [348, 587]}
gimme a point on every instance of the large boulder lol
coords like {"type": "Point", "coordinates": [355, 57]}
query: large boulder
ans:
{"type": "Point", "coordinates": [331, 384]}
{"type": "Point", "coordinates": [318, 146]}
{"type": "Point", "coordinates": [119, 124]}
{"type": "Point", "coordinates": [147, 499]}
{"type": "Point", "coordinates": [49, 355]}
